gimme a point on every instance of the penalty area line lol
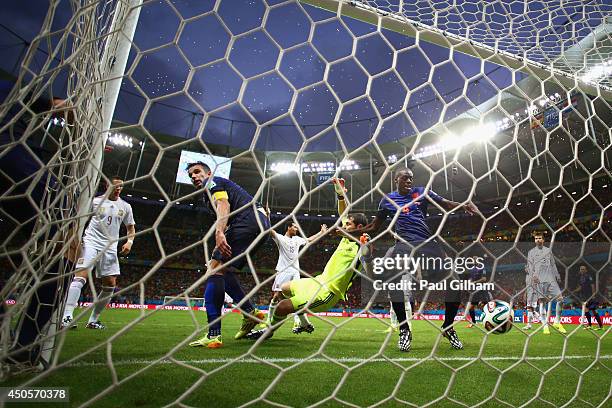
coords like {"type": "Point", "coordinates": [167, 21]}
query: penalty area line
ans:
{"type": "Point", "coordinates": [250, 360]}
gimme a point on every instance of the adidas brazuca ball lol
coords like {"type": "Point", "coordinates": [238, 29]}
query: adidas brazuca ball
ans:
{"type": "Point", "coordinates": [497, 317]}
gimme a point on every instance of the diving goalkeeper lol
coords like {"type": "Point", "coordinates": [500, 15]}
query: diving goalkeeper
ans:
{"type": "Point", "coordinates": [322, 292]}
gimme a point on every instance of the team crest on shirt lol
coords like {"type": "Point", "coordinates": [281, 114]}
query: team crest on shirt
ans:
{"type": "Point", "coordinates": [210, 184]}
{"type": "Point", "coordinates": [120, 213]}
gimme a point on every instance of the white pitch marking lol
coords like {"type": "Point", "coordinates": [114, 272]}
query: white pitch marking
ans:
{"type": "Point", "coordinates": [323, 360]}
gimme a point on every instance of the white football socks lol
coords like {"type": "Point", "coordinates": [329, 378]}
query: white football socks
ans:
{"type": "Point", "coordinates": [103, 299]}
{"type": "Point", "coordinates": [544, 313]}
{"type": "Point", "coordinates": [271, 309]}
{"type": "Point", "coordinates": [74, 293]}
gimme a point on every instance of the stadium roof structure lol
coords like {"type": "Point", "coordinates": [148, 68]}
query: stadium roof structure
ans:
{"type": "Point", "coordinates": [163, 71]}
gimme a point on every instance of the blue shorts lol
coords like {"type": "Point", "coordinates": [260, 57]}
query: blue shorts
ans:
{"type": "Point", "coordinates": [592, 304]}
{"type": "Point", "coordinates": [240, 234]}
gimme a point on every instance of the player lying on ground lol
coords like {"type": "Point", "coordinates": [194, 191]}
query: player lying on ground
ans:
{"type": "Point", "coordinates": [542, 267]}
{"type": "Point", "coordinates": [410, 204]}
{"type": "Point", "coordinates": [288, 269]}
{"type": "Point", "coordinates": [239, 222]}
{"type": "Point", "coordinates": [99, 252]}
{"type": "Point", "coordinates": [322, 292]}
{"type": "Point", "coordinates": [587, 294]}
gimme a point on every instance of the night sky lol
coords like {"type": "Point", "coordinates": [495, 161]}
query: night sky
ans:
{"type": "Point", "coordinates": [283, 62]}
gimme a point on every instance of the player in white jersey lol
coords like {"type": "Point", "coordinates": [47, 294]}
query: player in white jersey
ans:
{"type": "Point", "coordinates": [99, 252]}
{"type": "Point", "coordinates": [288, 269]}
{"type": "Point", "coordinates": [531, 300]}
{"type": "Point", "coordinates": [546, 278]}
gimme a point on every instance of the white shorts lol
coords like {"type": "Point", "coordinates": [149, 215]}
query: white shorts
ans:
{"type": "Point", "coordinates": [547, 290]}
{"type": "Point", "coordinates": [282, 277]}
{"type": "Point", "coordinates": [105, 263]}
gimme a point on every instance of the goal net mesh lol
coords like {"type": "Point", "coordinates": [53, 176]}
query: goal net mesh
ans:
{"type": "Point", "coordinates": [505, 104]}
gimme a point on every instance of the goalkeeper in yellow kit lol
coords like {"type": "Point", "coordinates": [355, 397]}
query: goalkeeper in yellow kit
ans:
{"type": "Point", "coordinates": [322, 292]}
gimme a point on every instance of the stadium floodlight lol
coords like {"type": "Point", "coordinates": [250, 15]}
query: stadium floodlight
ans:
{"type": "Point", "coordinates": [119, 139]}
{"type": "Point", "coordinates": [284, 167]}
{"type": "Point", "coordinates": [348, 164]}
{"type": "Point", "coordinates": [598, 72]}
{"type": "Point", "coordinates": [58, 122]}
{"type": "Point", "coordinates": [483, 133]}
{"type": "Point", "coordinates": [451, 141]}
{"type": "Point", "coordinates": [318, 167]}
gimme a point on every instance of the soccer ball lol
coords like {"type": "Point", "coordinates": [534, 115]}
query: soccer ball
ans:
{"type": "Point", "coordinates": [497, 317]}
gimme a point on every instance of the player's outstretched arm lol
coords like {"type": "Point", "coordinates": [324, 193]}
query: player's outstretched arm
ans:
{"type": "Point", "coordinates": [318, 234]}
{"type": "Point", "coordinates": [131, 234]}
{"type": "Point", "coordinates": [274, 235]}
{"type": "Point", "coordinates": [341, 191]}
{"type": "Point", "coordinates": [469, 207]}
{"type": "Point", "coordinates": [372, 227]}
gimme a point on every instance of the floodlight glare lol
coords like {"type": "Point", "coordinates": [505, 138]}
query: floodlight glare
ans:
{"type": "Point", "coordinates": [284, 167]}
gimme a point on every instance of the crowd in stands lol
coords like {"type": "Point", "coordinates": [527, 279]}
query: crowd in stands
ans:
{"type": "Point", "coordinates": [182, 228]}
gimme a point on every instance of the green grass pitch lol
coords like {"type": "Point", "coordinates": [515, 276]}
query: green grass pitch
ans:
{"type": "Point", "coordinates": [357, 364]}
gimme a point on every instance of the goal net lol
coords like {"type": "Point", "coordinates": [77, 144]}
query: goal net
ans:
{"type": "Point", "coordinates": [498, 108]}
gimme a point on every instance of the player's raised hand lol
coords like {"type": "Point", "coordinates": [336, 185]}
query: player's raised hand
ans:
{"type": "Point", "coordinates": [126, 248]}
{"type": "Point", "coordinates": [324, 228]}
{"type": "Point", "coordinates": [222, 245]}
{"type": "Point", "coordinates": [339, 186]}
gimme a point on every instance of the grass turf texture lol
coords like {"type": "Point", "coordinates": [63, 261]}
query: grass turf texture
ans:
{"type": "Point", "coordinates": [352, 363]}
